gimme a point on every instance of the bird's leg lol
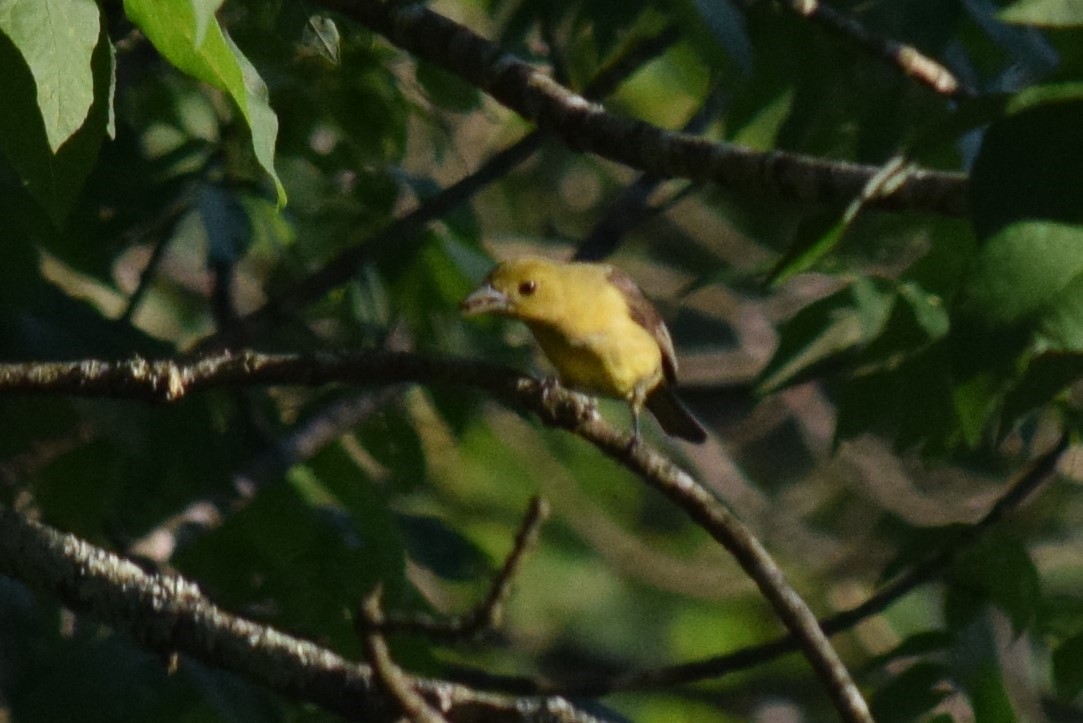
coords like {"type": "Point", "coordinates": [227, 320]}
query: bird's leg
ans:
{"type": "Point", "coordinates": [636, 402]}
{"type": "Point", "coordinates": [635, 428]}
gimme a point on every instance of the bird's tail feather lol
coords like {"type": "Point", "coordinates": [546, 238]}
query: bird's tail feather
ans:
{"type": "Point", "coordinates": [673, 416]}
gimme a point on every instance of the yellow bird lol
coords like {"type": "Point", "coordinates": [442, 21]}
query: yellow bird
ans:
{"type": "Point", "coordinates": [598, 330]}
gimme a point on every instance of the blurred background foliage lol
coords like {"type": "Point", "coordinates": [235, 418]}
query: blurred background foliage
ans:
{"type": "Point", "coordinates": [168, 167]}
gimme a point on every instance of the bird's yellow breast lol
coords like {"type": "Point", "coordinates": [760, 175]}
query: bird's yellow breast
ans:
{"type": "Point", "coordinates": [596, 346]}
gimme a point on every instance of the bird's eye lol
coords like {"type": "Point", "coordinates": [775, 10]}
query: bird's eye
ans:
{"type": "Point", "coordinates": [527, 288]}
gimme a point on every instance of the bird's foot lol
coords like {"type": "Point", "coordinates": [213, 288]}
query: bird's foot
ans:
{"type": "Point", "coordinates": [568, 405]}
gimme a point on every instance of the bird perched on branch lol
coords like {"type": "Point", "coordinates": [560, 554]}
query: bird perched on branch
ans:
{"type": "Point", "coordinates": [598, 330]}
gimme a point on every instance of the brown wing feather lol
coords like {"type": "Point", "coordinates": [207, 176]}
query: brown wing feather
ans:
{"type": "Point", "coordinates": [644, 314]}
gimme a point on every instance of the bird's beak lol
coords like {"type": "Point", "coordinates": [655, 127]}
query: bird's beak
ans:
{"type": "Point", "coordinates": [485, 300]}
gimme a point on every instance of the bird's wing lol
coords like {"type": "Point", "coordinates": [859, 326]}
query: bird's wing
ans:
{"type": "Point", "coordinates": [644, 314]}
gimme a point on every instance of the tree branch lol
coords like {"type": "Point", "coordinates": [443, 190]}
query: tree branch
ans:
{"type": "Point", "coordinates": [171, 380]}
{"type": "Point", "coordinates": [910, 61]}
{"type": "Point", "coordinates": [584, 125]}
{"type": "Point", "coordinates": [1039, 471]}
{"type": "Point", "coordinates": [170, 615]}
{"type": "Point", "coordinates": [395, 684]}
{"type": "Point", "coordinates": [486, 614]}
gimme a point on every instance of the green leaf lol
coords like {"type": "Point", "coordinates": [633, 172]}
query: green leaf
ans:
{"type": "Point", "coordinates": [447, 90]}
{"type": "Point", "coordinates": [804, 253]}
{"type": "Point", "coordinates": [1044, 13]}
{"type": "Point", "coordinates": [975, 399]}
{"type": "Point", "coordinates": [999, 570]}
{"type": "Point", "coordinates": [1062, 325]}
{"type": "Point", "coordinates": [1026, 185]}
{"type": "Point", "coordinates": [441, 549]}
{"type": "Point", "coordinates": [910, 694]}
{"type": "Point", "coordinates": [57, 39]}
{"type": "Point", "coordinates": [394, 442]}
{"type": "Point", "coordinates": [1045, 94]}
{"type": "Point", "coordinates": [910, 402]}
{"type": "Point", "coordinates": [48, 148]}
{"type": "Point", "coordinates": [1045, 377]}
{"type": "Point", "coordinates": [918, 544]}
{"type": "Point", "coordinates": [204, 14]}
{"type": "Point", "coordinates": [1023, 270]}
{"type": "Point", "coordinates": [1068, 667]}
{"type": "Point", "coordinates": [173, 29]}
{"type": "Point", "coordinates": [942, 269]}
{"type": "Point", "coordinates": [312, 558]}
{"type": "Point", "coordinates": [988, 695]}
{"type": "Point", "coordinates": [322, 39]}
{"type": "Point", "coordinates": [917, 319]}
{"type": "Point", "coordinates": [824, 330]}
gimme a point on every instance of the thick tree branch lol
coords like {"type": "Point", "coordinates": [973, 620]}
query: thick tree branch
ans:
{"type": "Point", "coordinates": [169, 380]}
{"type": "Point", "coordinates": [170, 615]}
{"type": "Point", "coordinates": [584, 125]}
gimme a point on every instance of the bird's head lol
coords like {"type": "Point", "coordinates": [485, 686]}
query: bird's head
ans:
{"type": "Point", "coordinates": [527, 288]}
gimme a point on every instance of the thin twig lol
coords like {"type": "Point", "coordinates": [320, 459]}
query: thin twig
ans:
{"type": "Point", "coordinates": [487, 614]}
{"type": "Point", "coordinates": [910, 61]}
{"type": "Point", "coordinates": [388, 676]}
{"type": "Point", "coordinates": [161, 229]}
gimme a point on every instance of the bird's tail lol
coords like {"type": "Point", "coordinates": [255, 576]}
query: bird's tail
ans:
{"type": "Point", "coordinates": [673, 416]}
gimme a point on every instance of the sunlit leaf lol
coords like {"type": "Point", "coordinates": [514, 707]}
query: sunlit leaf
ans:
{"type": "Point", "coordinates": [1023, 270]}
{"type": "Point", "coordinates": [52, 142]}
{"type": "Point", "coordinates": [57, 39]}
{"type": "Point", "coordinates": [172, 27]}
{"type": "Point", "coordinates": [1044, 13]}
{"type": "Point", "coordinates": [204, 15]}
